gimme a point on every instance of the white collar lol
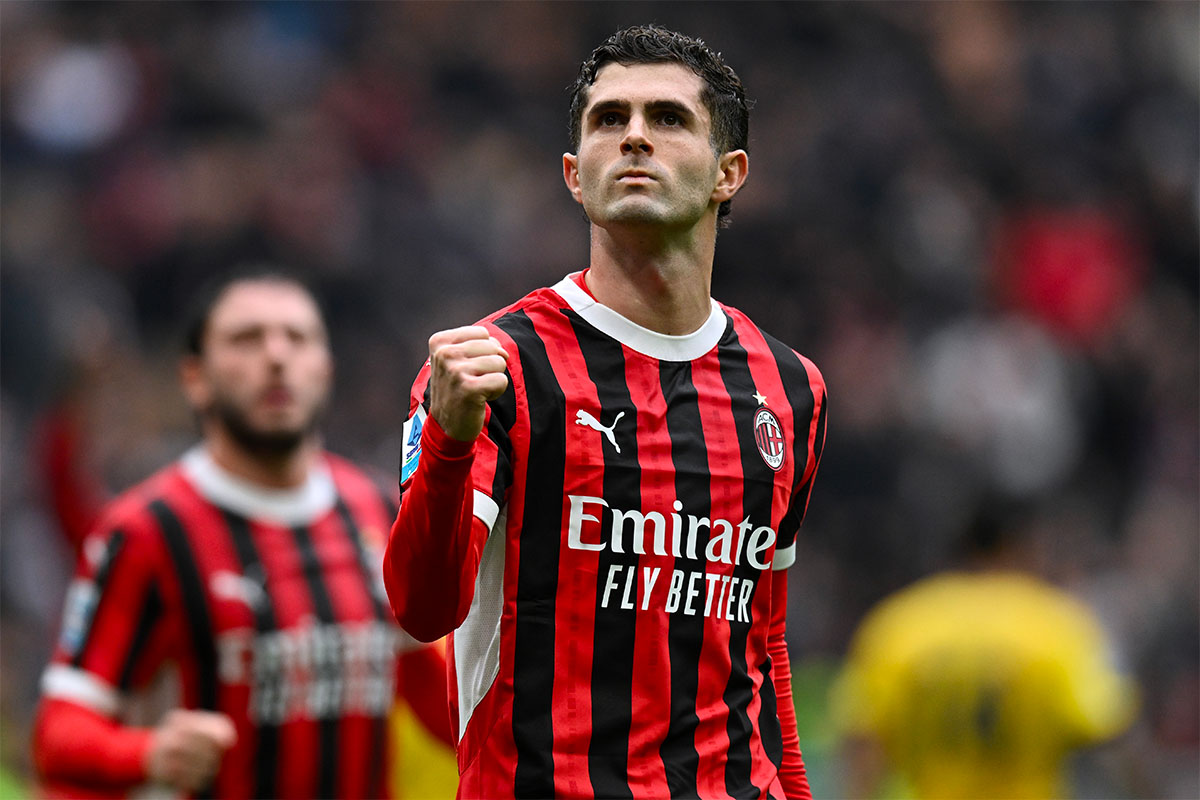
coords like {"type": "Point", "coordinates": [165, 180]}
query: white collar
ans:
{"type": "Point", "coordinates": [661, 346]}
{"type": "Point", "coordinates": [299, 506]}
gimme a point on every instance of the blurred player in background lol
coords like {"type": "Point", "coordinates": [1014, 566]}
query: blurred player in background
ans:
{"type": "Point", "coordinates": [978, 683]}
{"type": "Point", "coordinates": [240, 589]}
{"type": "Point", "coordinates": [604, 481]}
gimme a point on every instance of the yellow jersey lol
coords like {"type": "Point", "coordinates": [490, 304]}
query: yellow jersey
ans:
{"type": "Point", "coordinates": [978, 685]}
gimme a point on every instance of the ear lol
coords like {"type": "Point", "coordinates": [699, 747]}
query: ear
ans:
{"type": "Point", "coordinates": [733, 169]}
{"type": "Point", "coordinates": [571, 176]}
{"type": "Point", "coordinates": [195, 384]}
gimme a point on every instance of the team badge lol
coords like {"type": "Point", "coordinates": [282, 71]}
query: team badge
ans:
{"type": "Point", "coordinates": [768, 437]}
{"type": "Point", "coordinates": [412, 444]}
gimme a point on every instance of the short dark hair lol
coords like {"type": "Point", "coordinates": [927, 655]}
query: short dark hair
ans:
{"type": "Point", "coordinates": [210, 294]}
{"type": "Point", "coordinates": [723, 94]}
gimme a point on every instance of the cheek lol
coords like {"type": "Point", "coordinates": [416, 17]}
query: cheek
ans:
{"type": "Point", "coordinates": [319, 376]}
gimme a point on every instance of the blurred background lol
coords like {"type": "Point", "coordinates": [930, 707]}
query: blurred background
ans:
{"type": "Point", "coordinates": [979, 220]}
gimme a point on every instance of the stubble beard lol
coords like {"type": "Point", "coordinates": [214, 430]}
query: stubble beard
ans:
{"type": "Point", "coordinates": [268, 445]}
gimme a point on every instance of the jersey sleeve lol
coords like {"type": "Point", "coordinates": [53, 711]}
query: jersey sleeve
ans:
{"type": "Point", "coordinates": [451, 496]}
{"type": "Point", "coordinates": [113, 638]}
{"type": "Point", "coordinates": [809, 439]}
{"type": "Point", "coordinates": [792, 773]}
{"type": "Point", "coordinates": [491, 459]}
{"type": "Point", "coordinates": [1097, 699]}
{"type": "Point", "coordinates": [115, 626]}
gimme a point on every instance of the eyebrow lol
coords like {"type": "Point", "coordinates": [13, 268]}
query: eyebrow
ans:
{"type": "Point", "coordinates": [625, 106]}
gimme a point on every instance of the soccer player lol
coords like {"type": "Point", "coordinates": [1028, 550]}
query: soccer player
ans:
{"type": "Point", "coordinates": [240, 587]}
{"type": "Point", "coordinates": [978, 682]}
{"type": "Point", "coordinates": [603, 482]}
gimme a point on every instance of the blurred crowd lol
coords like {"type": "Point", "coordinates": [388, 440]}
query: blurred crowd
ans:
{"type": "Point", "coordinates": [979, 220]}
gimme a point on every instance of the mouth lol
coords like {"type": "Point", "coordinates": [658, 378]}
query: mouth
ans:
{"type": "Point", "coordinates": [277, 397]}
{"type": "Point", "coordinates": [635, 176]}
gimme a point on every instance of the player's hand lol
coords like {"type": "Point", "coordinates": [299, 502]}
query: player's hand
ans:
{"type": "Point", "coordinates": [186, 748]}
{"type": "Point", "coordinates": [466, 370]}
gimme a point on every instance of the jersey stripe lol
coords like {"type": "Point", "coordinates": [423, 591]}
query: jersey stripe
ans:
{"type": "Point", "coordinates": [818, 445]}
{"type": "Point", "coordinates": [194, 601]}
{"type": "Point", "coordinates": [152, 609]}
{"type": "Point", "coordinates": [575, 607]}
{"type": "Point", "coordinates": [612, 644]}
{"type": "Point", "coordinates": [724, 467]}
{"type": "Point", "coordinates": [768, 717]}
{"type": "Point", "coordinates": [265, 754]}
{"type": "Point", "coordinates": [800, 397]}
{"type": "Point", "coordinates": [537, 569]}
{"type": "Point", "coordinates": [650, 668]}
{"type": "Point", "coordinates": [370, 571]}
{"type": "Point", "coordinates": [327, 726]}
{"type": "Point", "coordinates": [111, 548]}
{"type": "Point", "coordinates": [739, 691]}
{"type": "Point", "coordinates": [685, 640]}
{"type": "Point", "coordinates": [501, 418]}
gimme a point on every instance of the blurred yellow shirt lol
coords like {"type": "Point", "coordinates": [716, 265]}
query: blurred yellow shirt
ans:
{"type": "Point", "coordinates": [978, 685]}
{"type": "Point", "coordinates": [423, 767]}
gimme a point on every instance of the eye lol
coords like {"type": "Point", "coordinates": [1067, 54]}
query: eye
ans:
{"type": "Point", "coordinates": [246, 337]}
{"type": "Point", "coordinates": [609, 119]}
{"type": "Point", "coordinates": [670, 119]}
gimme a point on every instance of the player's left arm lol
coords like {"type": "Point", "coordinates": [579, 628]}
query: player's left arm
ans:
{"type": "Point", "coordinates": [792, 774]}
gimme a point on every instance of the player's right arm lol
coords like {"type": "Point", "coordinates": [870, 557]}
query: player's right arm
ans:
{"type": "Point", "coordinates": [79, 749]}
{"type": "Point", "coordinates": [437, 540]}
{"type": "Point", "coordinates": [81, 746]}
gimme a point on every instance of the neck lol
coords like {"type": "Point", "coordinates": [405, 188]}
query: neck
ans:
{"type": "Point", "coordinates": [661, 284]}
{"type": "Point", "coordinates": [284, 470]}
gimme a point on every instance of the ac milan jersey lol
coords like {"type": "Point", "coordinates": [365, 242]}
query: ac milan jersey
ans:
{"type": "Point", "coordinates": [266, 606]}
{"type": "Point", "coordinates": [639, 488]}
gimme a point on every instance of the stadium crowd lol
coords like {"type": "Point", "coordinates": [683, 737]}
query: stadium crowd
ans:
{"type": "Point", "coordinates": [979, 220]}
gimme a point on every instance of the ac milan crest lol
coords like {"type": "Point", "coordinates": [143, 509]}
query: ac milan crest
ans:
{"type": "Point", "coordinates": [768, 436]}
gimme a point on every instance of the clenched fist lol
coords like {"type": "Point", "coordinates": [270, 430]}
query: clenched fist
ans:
{"type": "Point", "coordinates": [466, 370]}
{"type": "Point", "coordinates": [186, 748]}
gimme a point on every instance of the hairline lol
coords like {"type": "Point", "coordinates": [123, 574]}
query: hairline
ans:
{"type": "Point", "coordinates": [201, 324]}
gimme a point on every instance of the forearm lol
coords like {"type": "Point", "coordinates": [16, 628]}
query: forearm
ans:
{"type": "Point", "coordinates": [74, 744]}
{"type": "Point", "coordinates": [432, 554]}
{"type": "Point", "coordinates": [792, 773]}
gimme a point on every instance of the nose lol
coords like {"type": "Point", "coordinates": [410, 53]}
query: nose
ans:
{"type": "Point", "coordinates": [277, 346]}
{"type": "Point", "coordinates": [636, 137]}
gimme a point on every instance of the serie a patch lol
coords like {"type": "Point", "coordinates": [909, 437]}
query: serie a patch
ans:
{"type": "Point", "coordinates": [80, 607]}
{"type": "Point", "coordinates": [412, 444]}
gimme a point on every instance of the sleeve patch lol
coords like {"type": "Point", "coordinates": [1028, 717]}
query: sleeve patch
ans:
{"type": "Point", "coordinates": [412, 444]}
{"type": "Point", "coordinates": [83, 597]}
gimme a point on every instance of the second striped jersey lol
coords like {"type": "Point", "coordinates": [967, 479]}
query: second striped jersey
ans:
{"type": "Point", "coordinates": [265, 605]}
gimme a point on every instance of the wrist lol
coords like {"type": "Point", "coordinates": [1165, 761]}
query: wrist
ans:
{"type": "Point", "coordinates": [435, 438]}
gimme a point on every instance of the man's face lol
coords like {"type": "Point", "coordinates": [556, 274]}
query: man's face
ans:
{"type": "Point", "coordinates": [645, 155]}
{"type": "Point", "coordinates": [266, 369]}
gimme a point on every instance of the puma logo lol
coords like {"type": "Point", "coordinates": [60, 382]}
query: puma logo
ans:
{"type": "Point", "coordinates": [584, 418]}
{"type": "Point", "coordinates": [231, 586]}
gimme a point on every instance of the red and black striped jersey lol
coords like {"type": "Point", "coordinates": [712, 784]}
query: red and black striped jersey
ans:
{"type": "Point", "coordinates": [265, 605]}
{"type": "Point", "coordinates": [639, 489]}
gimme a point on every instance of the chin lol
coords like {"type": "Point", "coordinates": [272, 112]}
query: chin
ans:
{"type": "Point", "coordinates": [637, 214]}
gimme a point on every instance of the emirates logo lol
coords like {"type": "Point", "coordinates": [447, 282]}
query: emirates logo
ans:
{"type": "Point", "coordinates": [768, 436]}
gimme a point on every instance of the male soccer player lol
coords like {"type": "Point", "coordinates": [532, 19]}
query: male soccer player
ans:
{"type": "Point", "coordinates": [978, 682]}
{"type": "Point", "coordinates": [242, 583]}
{"type": "Point", "coordinates": [603, 482]}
